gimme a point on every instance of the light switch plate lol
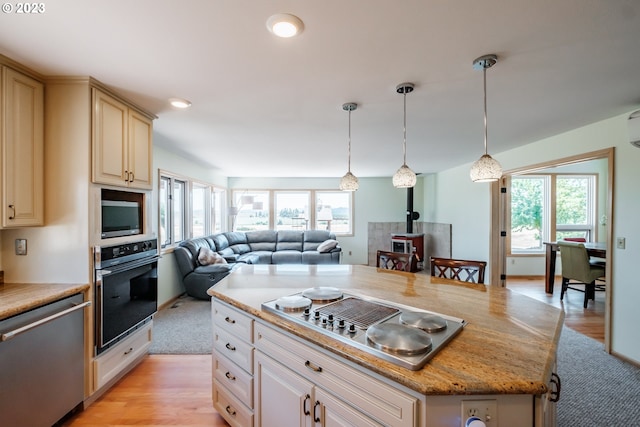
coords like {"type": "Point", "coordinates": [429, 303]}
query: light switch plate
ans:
{"type": "Point", "coordinates": [620, 242]}
{"type": "Point", "coordinates": [21, 246]}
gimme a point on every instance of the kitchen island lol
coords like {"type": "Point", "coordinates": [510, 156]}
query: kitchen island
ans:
{"type": "Point", "coordinates": [503, 359]}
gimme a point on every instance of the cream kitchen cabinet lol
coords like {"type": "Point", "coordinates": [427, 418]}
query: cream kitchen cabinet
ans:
{"type": "Point", "coordinates": [285, 398]}
{"type": "Point", "coordinates": [232, 364]}
{"type": "Point", "coordinates": [22, 141]}
{"type": "Point", "coordinates": [121, 145]}
{"type": "Point", "coordinates": [296, 384]}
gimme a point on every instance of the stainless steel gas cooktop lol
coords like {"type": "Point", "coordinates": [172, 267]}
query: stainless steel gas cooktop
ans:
{"type": "Point", "coordinates": [408, 337]}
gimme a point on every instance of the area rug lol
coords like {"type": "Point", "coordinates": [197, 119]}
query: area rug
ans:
{"type": "Point", "coordinates": [184, 327]}
{"type": "Point", "coordinates": [597, 388]}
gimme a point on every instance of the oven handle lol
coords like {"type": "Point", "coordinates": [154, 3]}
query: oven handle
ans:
{"type": "Point", "coordinates": [127, 265]}
{"type": "Point", "coordinates": [8, 335]}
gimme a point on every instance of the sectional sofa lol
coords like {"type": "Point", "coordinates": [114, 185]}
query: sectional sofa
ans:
{"type": "Point", "coordinates": [204, 261]}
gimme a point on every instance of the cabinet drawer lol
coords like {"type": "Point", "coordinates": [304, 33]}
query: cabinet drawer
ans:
{"type": "Point", "coordinates": [112, 362]}
{"type": "Point", "coordinates": [234, 349]}
{"type": "Point", "coordinates": [380, 400]}
{"type": "Point", "coordinates": [233, 379]}
{"type": "Point", "coordinates": [231, 409]}
{"type": "Point", "coordinates": [230, 319]}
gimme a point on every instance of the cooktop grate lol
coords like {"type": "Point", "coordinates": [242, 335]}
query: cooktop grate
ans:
{"type": "Point", "coordinates": [358, 312]}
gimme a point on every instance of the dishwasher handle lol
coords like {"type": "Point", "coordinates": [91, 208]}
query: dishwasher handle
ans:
{"type": "Point", "coordinates": [8, 335]}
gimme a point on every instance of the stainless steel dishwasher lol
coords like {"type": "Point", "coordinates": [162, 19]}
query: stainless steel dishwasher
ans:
{"type": "Point", "coordinates": [42, 363]}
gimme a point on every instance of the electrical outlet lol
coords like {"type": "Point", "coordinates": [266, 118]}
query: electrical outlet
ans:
{"type": "Point", "coordinates": [21, 246]}
{"type": "Point", "coordinates": [486, 410]}
{"type": "Point", "coordinates": [620, 242]}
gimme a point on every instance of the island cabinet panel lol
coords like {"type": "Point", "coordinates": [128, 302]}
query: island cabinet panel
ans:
{"type": "Point", "coordinates": [233, 355]}
{"type": "Point", "coordinates": [22, 148]}
{"type": "Point", "coordinates": [347, 393]}
{"type": "Point", "coordinates": [121, 144]}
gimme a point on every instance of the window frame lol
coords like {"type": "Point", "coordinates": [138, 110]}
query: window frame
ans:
{"type": "Point", "coordinates": [212, 222]}
{"type": "Point", "coordinates": [237, 193]}
{"type": "Point", "coordinates": [550, 228]}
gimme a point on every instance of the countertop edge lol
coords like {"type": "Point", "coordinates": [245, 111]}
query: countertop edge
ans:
{"type": "Point", "coordinates": [17, 298]}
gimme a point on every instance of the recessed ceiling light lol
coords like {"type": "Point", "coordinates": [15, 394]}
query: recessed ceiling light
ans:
{"type": "Point", "coordinates": [285, 25]}
{"type": "Point", "coordinates": [180, 103]}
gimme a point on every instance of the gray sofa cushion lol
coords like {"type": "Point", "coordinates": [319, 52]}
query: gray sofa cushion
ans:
{"type": "Point", "coordinates": [238, 242]}
{"type": "Point", "coordinates": [263, 240]}
{"type": "Point", "coordinates": [286, 257]}
{"type": "Point", "coordinates": [312, 238]}
{"type": "Point", "coordinates": [289, 240]}
{"type": "Point", "coordinates": [313, 257]}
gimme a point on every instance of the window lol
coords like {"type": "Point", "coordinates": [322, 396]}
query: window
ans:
{"type": "Point", "coordinates": [293, 210]}
{"type": "Point", "coordinates": [188, 208]}
{"type": "Point", "coordinates": [333, 211]}
{"type": "Point", "coordinates": [547, 208]}
{"type": "Point", "coordinates": [250, 211]}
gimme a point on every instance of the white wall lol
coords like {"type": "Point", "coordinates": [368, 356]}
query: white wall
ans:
{"type": "Point", "coordinates": [469, 212]}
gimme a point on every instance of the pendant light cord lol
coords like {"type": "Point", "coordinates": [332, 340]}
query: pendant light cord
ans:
{"type": "Point", "coordinates": [404, 130]}
{"type": "Point", "coordinates": [484, 75]}
{"type": "Point", "coordinates": [349, 145]}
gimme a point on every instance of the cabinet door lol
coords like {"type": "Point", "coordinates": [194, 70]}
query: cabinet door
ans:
{"type": "Point", "coordinates": [335, 413]}
{"type": "Point", "coordinates": [22, 150]}
{"type": "Point", "coordinates": [109, 144]}
{"type": "Point", "coordinates": [282, 397]}
{"type": "Point", "coordinates": [140, 151]}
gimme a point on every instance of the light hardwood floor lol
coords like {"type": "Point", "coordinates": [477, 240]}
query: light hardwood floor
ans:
{"type": "Point", "coordinates": [175, 390]}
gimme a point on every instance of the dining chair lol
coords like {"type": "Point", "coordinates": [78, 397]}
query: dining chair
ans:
{"type": "Point", "coordinates": [578, 270]}
{"type": "Point", "coordinates": [458, 269]}
{"type": "Point", "coordinates": [396, 261]}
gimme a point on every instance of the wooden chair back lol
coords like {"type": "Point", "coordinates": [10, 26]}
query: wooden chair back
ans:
{"type": "Point", "coordinates": [458, 269]}
{"type": "Point", "coordinates": [396, 261]}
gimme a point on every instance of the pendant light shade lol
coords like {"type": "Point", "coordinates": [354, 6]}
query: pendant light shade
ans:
{"type": "Point", "coordinates": [349, 182]}
{"type": "Point", "coordinates": [404, 177]}
{"type": "Point", "coordinates": [486, 168]}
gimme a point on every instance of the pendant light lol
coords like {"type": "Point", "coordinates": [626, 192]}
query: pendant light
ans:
{"type": "Point", "coordinates": [404, 177]}
{"type": "Point", "coordinates": [486, 168]}
{"type": "Point", "coordinates": [349, 182]}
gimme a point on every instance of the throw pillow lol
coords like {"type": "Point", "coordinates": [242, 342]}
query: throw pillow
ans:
{"type": "Point", "coordinates": [207, 257]}
{"type": "Point", "coordinates": [327, 245]}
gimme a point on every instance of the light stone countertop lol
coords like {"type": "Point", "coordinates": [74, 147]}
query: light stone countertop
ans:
{"type": "Point", "coordinates": [16, 298]}
{"type": "Point", "coordinates": [509, 345]}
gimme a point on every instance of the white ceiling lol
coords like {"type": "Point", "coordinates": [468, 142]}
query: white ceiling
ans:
{"type": "Point", "coordinates": [270, 107]}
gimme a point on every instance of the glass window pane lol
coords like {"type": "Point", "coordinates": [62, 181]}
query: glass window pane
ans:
{"type": "Point", "coordinates": [292, 210]}
{"type": "Point", "coordinates": [198, 209]}
{"type": "Point", "coordinates": [179, 211]}
{"type": "Point", "coordinates": [163, 199]}
{"type": "Point", "coordinates": [527, 213]}
{"type": "Point", "coordinates": [334, 212]}
{"type": "Point", "coordinates": [252, 211]}
{"type": "Point", "coordinates": [574, 207]}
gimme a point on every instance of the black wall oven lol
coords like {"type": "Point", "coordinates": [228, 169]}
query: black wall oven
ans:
{"type": "Point", "coordinates": [126, 290]}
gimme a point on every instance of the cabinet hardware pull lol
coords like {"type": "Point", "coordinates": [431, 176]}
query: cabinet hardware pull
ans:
{"type": "Point", "coordinates": [131, 176]}
{"type": "Point", "coordinates": [229, 320]}
{"type": "Point", "coordinates": [313, 367]}
{"type": "Point", "coordinates": [230, 347]}
{"type": "Point", "coordinates": [554, 396]}
{"type": "Point", "coordinates": [128, 351]}
{"type": "Point", "coordinates": [231, 377]}
{"type": "Point", "coordinates": [316, 418]}
{"type": "Point", "coordinates": [307, 398]}
{"type": "Point", "coordinates": [230, 411]}
{"type": "Point", "coordinates": [14, 211]}
{"type": "Point", "coordinates": [8, 335]}
{"type": "Point", "coordinates": [126, 176]}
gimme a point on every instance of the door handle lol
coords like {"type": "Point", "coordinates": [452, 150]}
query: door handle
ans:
{"type": "Point", "coordinates": [8, 335]}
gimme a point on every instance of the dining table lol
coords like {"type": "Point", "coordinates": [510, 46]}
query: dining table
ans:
{"type": "Point", "coordinates": [594, 249]}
